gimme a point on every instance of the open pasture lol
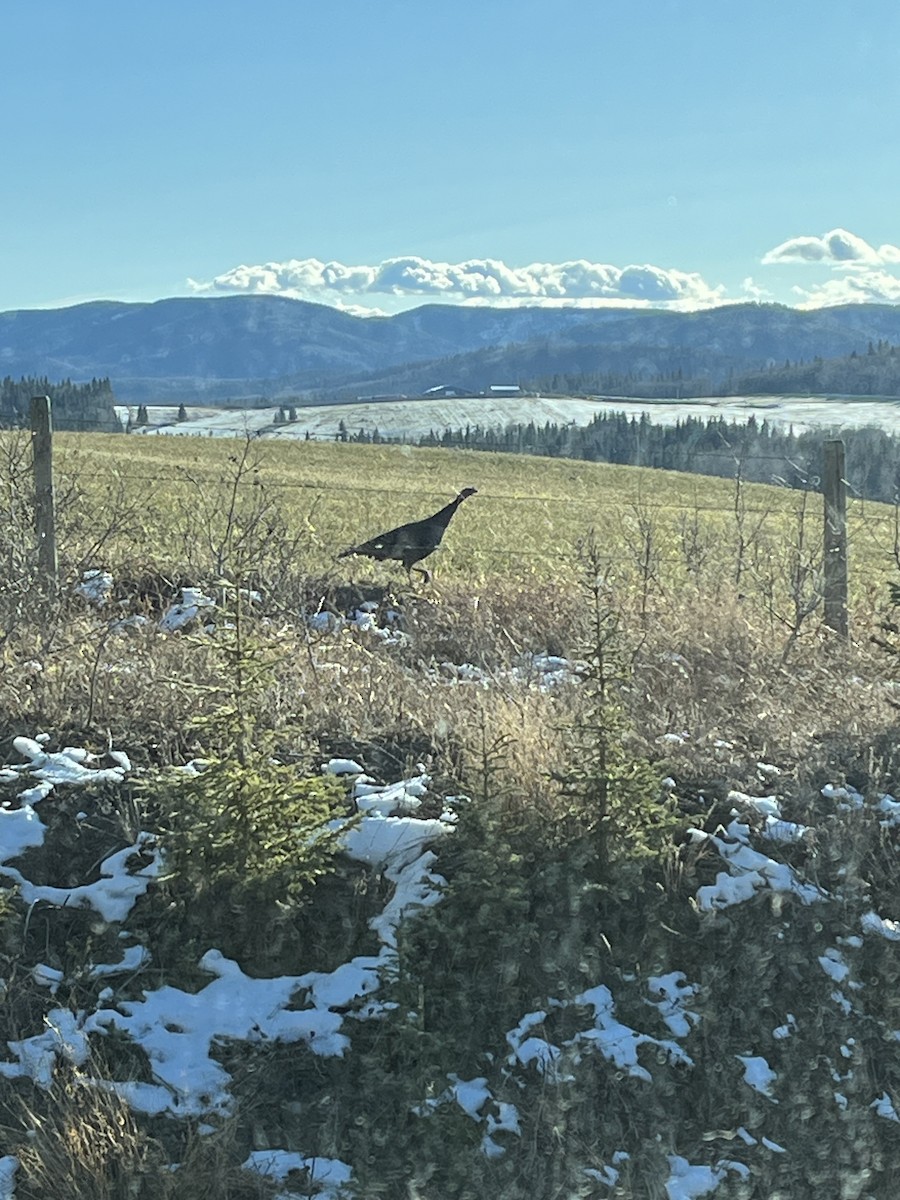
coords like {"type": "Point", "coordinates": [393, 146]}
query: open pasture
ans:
{"type": "Point", "coordinates": [723, 575]}
{"type": "Point", "coordinates": [173, 503]}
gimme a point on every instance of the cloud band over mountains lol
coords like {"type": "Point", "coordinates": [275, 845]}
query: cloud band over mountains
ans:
{"type": "Point", "coordinates": [485, 281]}
{"type": "Point", "coordinates": [858, 272]}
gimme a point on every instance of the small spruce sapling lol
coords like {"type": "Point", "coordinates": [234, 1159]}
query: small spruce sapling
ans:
{"type": "Point", "coordinates": [615, 800]}
{"type": "Point", "coordinates": [246, 818]}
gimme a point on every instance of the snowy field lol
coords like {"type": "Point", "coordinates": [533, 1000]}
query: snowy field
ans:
{"type": "Point", "coordinates": [415, 418]}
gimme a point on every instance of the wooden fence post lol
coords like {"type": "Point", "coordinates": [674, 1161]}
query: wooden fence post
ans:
{"type": "Point", "coordinates": [44, 501]}
{"type": "Point", "coordinates": [835, 545]}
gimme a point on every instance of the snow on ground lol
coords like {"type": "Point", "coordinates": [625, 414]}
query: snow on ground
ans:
{"type": "Point", "coordinates": [758, 1074]}
{"type": "Point", "coordinates": [8, 1166]}
{"type": "Point", "coordinates": [687, 1182]}
{"type": "Point", "coordinates": [179, 1031]}
{"type": "Point", "coordinates": [749, 871]}
{"type": "Point", "coordinates": [413, 419]}
{"type": "Point", "coordinates": [326, 1175]}
{"type": "Point", "coordinates": [543, 671]}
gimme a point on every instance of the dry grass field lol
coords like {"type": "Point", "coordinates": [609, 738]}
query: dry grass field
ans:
{"type": "Point", "coordinates": [528, 519]}
{"type": "Point", "coordinates": [716, 586]}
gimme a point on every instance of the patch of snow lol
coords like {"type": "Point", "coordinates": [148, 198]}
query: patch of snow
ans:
{"type": "Point", "coordinates": [767, 805]}
{"type": "Point", "coordinates": [113, 895]}
{"type": "Point", "coordinates": [48, 977]}
{"type": "Point", "coordinates": [542, 671]}
{"type": "Point", "coordinates": [675, 993]}
{"type": "Point", "coordinates": [872, 923]}
{"type": "Point", "coordinates": [95, 586]}
{"type": "Point", "coordinates": [328, 1177]}
{"type": "Point", "coordinates": [120, 758]}
{"type": "Point", "coordinates": [784, 831]}
{"type": "Point", "coordinates": [342, 766]}
{"type": "Point", "coordinates": [884, 1107]}
{"type": "Point", "coordinates": [477, 1101]}
{"type": "Point", "coordinates": [396, 799]}
{"type": "Point", "coordinates": [193, 601]}
{"type": "Point", "coordinates": [379, 841]}
{"type": "Point", "coordinates": [532, 1050]}
{"type": "Point", "coordinates": [758, 1074]}
{"type": "Point", "coordinates": [785, 1030]}
{"type": "Point", "coordinates": [65, 1037]}
{"type": "Point", "coordinates": [133, 959]}
{"type": "Point", "coordinates": [846, 798]}
{"type": "Point", "coordinates": [20, 829]}
{"type": "Point", "coordinates": [178, 1030]}
{"type": "Point", "coordinates": [617, 1042]}
{"type": "Point", "coordinates": [8, 1167]}
{"type": "Point", "coordinates": [471, 1095]}
{"type": "Point", "coordinates": [686, 1182]}
{"type": "Point", "coordinates": [505, 1119]}
{"type": "Point", "coordinates": [832, 963]}
{"type": "Point", "coordinates": [842, 1002]}
{"type": "Point", "coordinates": [749, 871]}
{"type": "Point", "coordinates": [65, 767]}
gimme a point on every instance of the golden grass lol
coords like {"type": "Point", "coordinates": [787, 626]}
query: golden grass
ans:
{"type": "Point", "coordinates": [84, 1143]}
{"type": "Point", "coordinates": [526, 522]}
{"type": "Point", "coordinates": [712, 652]}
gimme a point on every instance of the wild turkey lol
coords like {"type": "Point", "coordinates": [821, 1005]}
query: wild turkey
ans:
{"type": "Point", "coordinates": [411, 543]}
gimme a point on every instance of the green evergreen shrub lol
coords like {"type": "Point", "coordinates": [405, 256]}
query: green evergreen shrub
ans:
{"type": "Point", "coordinates": [247, 836]}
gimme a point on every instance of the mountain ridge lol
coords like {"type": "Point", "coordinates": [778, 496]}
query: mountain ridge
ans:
{"type": "Point", "coordinates": [204, 349]}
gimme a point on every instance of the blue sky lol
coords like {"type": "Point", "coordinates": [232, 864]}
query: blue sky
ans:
{"type": "Point", "coordinates": [379, 154]}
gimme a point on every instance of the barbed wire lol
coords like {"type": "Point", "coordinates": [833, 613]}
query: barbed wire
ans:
{"type": "Point", "coordinates": [189, 477]}
{"type": "Point", "coordinates": [859, 516]}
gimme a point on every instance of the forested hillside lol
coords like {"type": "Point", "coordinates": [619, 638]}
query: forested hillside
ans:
{"type": "Point", "coordinates": [755, 450]}
{"type": "Point", "coordinates": [76, 406]}
{"type": "Point", "coordinates": [875, 372]}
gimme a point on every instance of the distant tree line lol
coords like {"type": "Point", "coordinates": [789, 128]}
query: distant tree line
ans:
{"type": "Point", "coordinates": [874, 373]}
{"type": "Point", "coordinates": [760, 451]}
{"type": "Point", "coordinates": [79, 406]}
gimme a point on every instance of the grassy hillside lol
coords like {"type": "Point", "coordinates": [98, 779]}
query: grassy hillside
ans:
{"type": "Point", "coordinates": [606, 909]}
{"type": "Point", "coordinates": [527, 521]}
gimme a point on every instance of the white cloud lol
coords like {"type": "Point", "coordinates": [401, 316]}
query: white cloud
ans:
{"type": "Point", "coordinates": [752, 291]}
{"type": "Point", "coordinates": [866, 287]}
{"type": "Point", "coordinates": [839, 248]}
{"type": "Point", "coordinates": [476, 281]}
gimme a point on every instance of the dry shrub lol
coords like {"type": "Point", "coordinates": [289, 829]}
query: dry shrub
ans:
{"type": "Point", "coordinates": [83, 1142]}
{"type": "Point", "coordinates": [139, 684]}
{"type": "Point", "coordinates": [717, 674]}
{"type": "Point", "coordinates": [516, 736]}
{"type": "Point", "coordinates": [490, 625]}
{"type": "Point", "coordinates": [360, 698]}
{"type": "Point", "coordinates": [80, 1140]}
{"type": "Point", "coordinates": [209, 1168]}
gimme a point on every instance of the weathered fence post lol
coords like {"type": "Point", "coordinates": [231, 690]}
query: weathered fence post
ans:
{"type": "Point", "coordinates": [834, 489]}
{"type": "Point", "coordinates": [44, 502]}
